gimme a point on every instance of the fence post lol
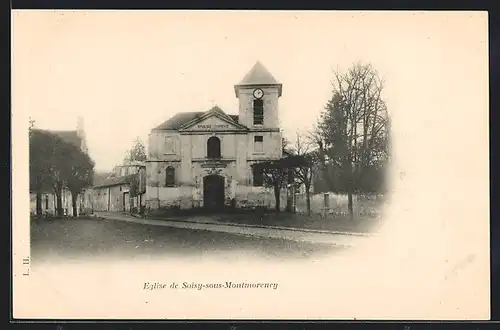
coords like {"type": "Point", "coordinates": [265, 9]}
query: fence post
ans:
{"type": "Point", "coordinates": [326, 203]}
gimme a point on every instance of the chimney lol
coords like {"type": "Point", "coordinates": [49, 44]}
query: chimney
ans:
{"type": "Point", "coordinates": [81, 134]}
{"type": "Point", "coordinates": [79, 127]}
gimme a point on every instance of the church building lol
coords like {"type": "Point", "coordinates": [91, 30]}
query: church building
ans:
{"type": "Point", "coordinates": [203, 159]}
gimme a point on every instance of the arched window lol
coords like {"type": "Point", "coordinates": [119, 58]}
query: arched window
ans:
{"type": "Point", "coordinates": [169, 176]}
{"type": "Point", "coordinates": [213, 147]}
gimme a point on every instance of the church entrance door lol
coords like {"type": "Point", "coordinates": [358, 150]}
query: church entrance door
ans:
{"type": "Point", "coordinates": [213, 192]}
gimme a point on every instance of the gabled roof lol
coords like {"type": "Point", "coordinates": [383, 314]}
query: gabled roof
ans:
{"type": "Point", "coordinates": [258, 75]}
{"type": "Point", "coordinates": [67, 136]}
{"type": "Point", "coordinates": [179, 119]}
{"type": "Point", "coordinates": [182, 118]}
{"type": "Point", "coordinates": [100, 178]}
{"type": "Point", "coordinates": [114, 181]}
{"type": "Point", "coordinates": [133, 163]}
{"type": "Point", "coordinates": [215, 111]}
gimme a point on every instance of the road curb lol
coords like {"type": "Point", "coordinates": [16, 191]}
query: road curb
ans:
{"type": "Point", "coordinates": [319, 231]}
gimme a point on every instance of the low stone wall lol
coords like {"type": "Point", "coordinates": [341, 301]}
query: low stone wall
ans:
{"type": "Point", "coordinates": [175, 197]}
{"type": "Point", "coordinates": [362, 205]}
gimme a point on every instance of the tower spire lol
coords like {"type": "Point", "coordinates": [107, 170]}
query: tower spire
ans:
{"type": "Point", "coordinates": [258, 76]}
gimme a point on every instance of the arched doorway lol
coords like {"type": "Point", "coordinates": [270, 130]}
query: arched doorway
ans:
{"type": "Point", "coordinates": [213, 192]}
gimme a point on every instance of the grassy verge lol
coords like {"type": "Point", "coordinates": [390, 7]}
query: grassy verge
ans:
{"type": "Point", "coordinates": [338, 223]}
{"type": "Point", "coordinates": [360, 224]}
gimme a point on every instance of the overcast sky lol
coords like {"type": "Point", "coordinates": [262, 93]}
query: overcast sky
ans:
{"type": "Point", "coordinates": [126, 72]}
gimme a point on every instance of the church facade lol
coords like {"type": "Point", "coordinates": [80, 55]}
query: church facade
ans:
{"type": "Point", "coordinates": [203, 159]}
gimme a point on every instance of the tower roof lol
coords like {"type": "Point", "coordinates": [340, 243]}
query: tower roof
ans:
{"type": "Point", "coordinates": [258, 76]}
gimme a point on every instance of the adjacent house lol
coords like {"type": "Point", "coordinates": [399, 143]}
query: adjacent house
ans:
{"type": "Point", "coordinates": [204, 158]}
{"type": "Point", "coordinates": [121, 190]}
{"type": "Point", "coordinates": [113, 195]}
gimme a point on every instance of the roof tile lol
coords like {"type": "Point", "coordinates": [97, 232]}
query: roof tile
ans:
{"type": "Point", "coordinates": [116, 181]}
{"type": "Point", "coordinates": [179, 119]}
{"type": "Point", "coordinates": [258, 75]}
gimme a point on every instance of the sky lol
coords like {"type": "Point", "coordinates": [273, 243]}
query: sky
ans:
{"type": "Point", "coordinates": [126, 72]}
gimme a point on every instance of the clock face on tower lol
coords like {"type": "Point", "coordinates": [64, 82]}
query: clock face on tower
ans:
{"type": "Point", "coordinates": [258, 93]}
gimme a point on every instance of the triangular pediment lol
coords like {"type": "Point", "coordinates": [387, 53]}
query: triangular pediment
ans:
{"type": "Point", "coordinates": [213, 120]}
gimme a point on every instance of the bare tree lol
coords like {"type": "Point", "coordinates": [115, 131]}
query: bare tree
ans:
{"type": "Point", "coordinates": [286, 146]}
{"type": "Point", "coordinates": [306, 164]}
{"type": "Point", "coordinates": [301, 145]}
{"type": "Point", "coordinates": [354, 129]}
{"type": "Point", "coordinates": [274, 174]}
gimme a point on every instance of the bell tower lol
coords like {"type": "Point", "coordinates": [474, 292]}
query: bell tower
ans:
{"type": "Point", "coordinates": [258, 94]}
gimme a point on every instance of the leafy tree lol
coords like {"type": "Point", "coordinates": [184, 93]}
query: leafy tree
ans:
{"type": "Point", "coordinates": [34, 172]}
{"type": "Point", "coordinates": [47, 159]}
{"type": "Point", "coordinates": [59, 160]}
{"type": "Point", "coordinates": [353, 132]}
{"type": "Point", "coordinates": [137, 152]}
{"type": "Point", "coordinates": [56, 164]}
{"type": "Point", "coordinates": [40, 144]}
{"type": "Point", "coordinates": [77, 173]}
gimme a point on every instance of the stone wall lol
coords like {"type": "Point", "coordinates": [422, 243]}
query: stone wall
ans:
{"type": "Point", "coordinates": [189, 195]}
{"type": "Point", "coordinates": [109, 198]}
{"type": "Point", "coordinates": [179, 197]}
